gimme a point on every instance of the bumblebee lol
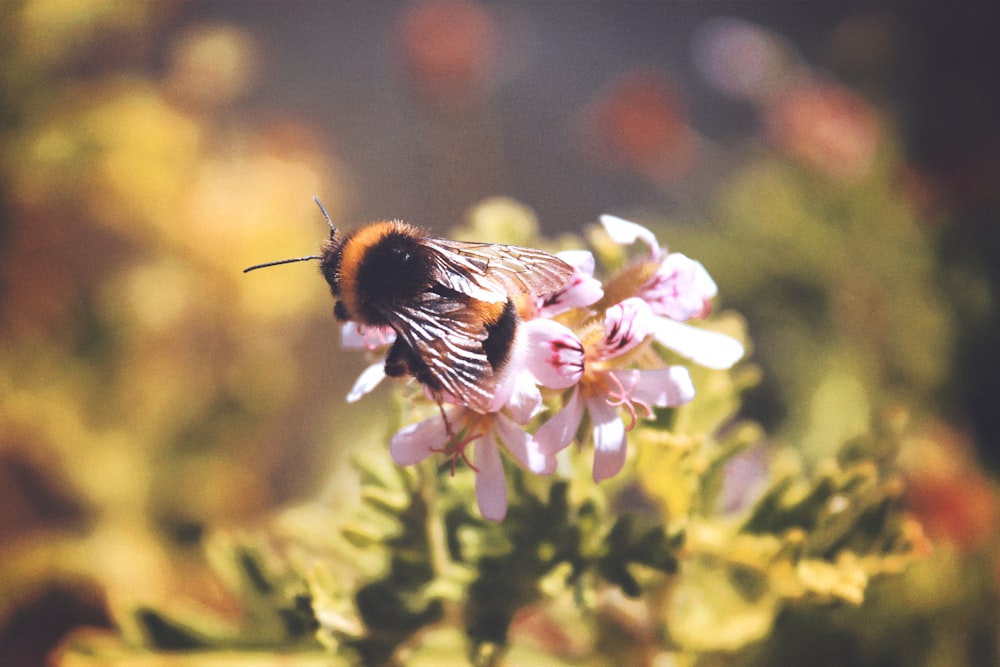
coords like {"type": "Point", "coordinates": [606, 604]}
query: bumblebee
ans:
{"type": "Point", "coordinates": [451, 303]}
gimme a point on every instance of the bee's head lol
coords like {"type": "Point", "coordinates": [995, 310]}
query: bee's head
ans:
{"type": "Point", "coordinates": [329, 248]}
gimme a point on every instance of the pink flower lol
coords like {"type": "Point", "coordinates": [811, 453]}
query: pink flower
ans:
{"type": "Point", "coordinates": [681, 289]}
{"type": "Point", "coordinates": [593, 364]}
{"type": "Point", "coordinates": [602, 388]}
{"type": "Point", "coordinates": [516, 401]}
{"type": "Point", "coordinates": [487, 434]}
{"type": "Point", "coordinates": [529, 366]}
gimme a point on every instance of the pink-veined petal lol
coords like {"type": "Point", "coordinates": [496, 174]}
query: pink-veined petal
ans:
{"type": "Point", "coordinates": [708, 348]}
{"type": "Point", "coordinates": [662, 387]}
{"type": "Point", "coordinates": [558, 431]}
{"type": "Point", "coordinates": [491, 487]}
{"type": "Point", "coordinates": [581, 290]}
{"type": "Point", "coordinates": [368, 380]}
{"type": "Point", "coordinates": [414, 443]}
{"type": "Point", "coordinates": [609, 439]}
{"type": "Point", "coordinates": [624, 232]}
{"type": "Point", "coordinates": [523, 447]}
{"type": "Point", "coordinates": [626, 325]}
{"type": "Point", "coordinates": [681, 289]}
{"type": "Point", "coordinates": [553, 353]}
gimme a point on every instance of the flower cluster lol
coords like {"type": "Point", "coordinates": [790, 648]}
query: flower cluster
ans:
{"type": "Point", "coordinates": [589, 346]}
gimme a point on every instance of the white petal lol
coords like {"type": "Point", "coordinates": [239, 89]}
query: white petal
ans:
{"type": "Point", "coordinates": [413, 443]}
{"type": "Point", "coordinates": [516, 389]}
{"type": "Point", "coordinates": [708, 348]}
{"type": "Point", "coordinates": [609, 439]}
{"type": "Point", "coordinates": [524, 448]}
{"type": "Point", "coordinates": [581, 260]}
{"type": "Point", "coordinates": [663, 387]}
{"type": "Point", "coordinates": [581, 290]}
{"type": "Point", "coordinates": [368, 380]}
{"type": "Point", "coordinates": [360, 337]}
{"type": "Point", "coordinates": [491, 488]}
{"type": "Point", "coordinates": [525, 401]}
{"type": "Point", "coordinates": [624, 232]}
{"type": "Point", "coordinates": [706, 285]}
{"type": "Point", "coordinates": [351, 337]}
{"type": "Point", "coordinates": [558, 431]}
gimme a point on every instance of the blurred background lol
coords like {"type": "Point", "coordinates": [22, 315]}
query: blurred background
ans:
{"type": "Point", "coordinates": [835, 166]}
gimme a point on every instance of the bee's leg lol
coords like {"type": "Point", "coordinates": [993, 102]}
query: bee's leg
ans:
{"type": "Point", "coordinates": [340, 312]}
{"type": "Point", "coordinates": [444, 417]}
{"type": "Point", "coordinates": [399, 360]}
{"type": "Point", "coordinates": [455, 448]}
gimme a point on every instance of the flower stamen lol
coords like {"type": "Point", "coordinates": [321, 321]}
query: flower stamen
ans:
{"type": "Point", "coordinates": [455, 449]}
{"type": "Point", "coordinates": [620, 395]}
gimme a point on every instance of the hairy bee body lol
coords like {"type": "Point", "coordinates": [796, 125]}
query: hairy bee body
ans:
{"type": "Point", "coordinates": [380, 264]}
{"type": "Point", "coordinates": [450, 303]}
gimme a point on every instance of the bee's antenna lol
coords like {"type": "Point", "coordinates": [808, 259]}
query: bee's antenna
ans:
{"type": "Point", "coordinates": [333, 230]}
{"type": "Point", "coordinates": [281, 261]}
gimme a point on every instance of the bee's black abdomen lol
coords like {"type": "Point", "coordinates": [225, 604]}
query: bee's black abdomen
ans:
{"type": "Point", "coordinates": [500, 337]}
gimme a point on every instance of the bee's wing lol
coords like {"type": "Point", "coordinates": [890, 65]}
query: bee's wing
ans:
{"type": "Point", "coordinates": [492, 272]}
{"type": "Point", "coordinates": [448, 338]}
